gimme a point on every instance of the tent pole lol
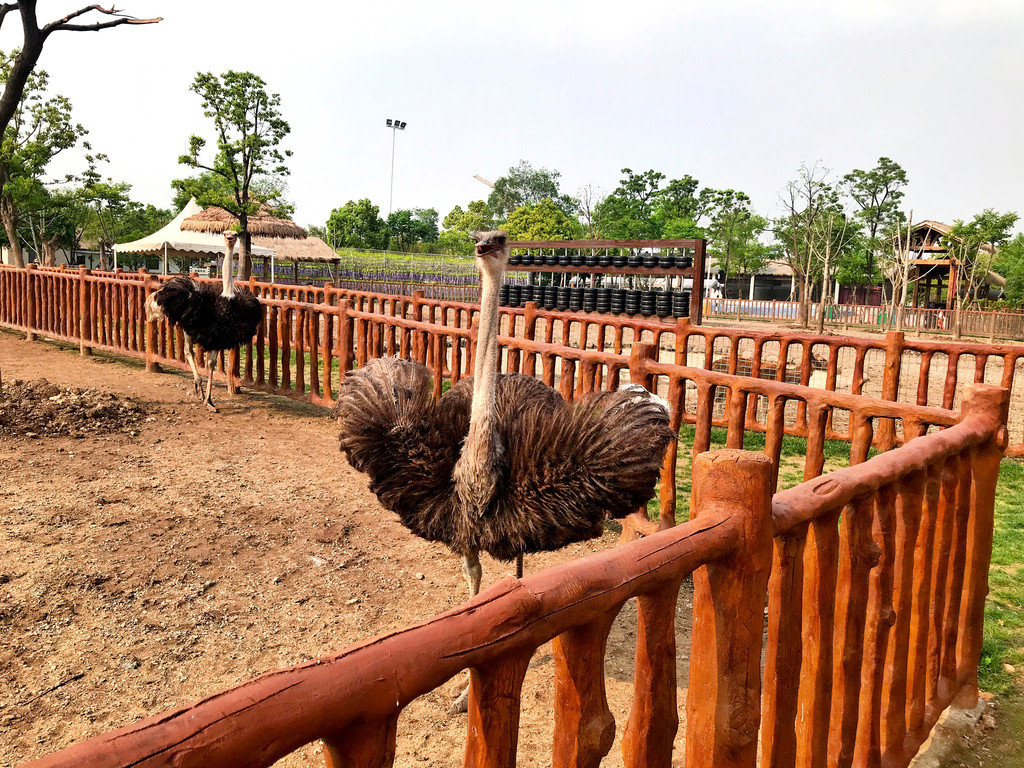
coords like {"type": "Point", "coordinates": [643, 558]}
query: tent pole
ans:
{"type": "Point", "coordinates": [163, 271]}
{"type": "Point", "coordinates": [273, 269]}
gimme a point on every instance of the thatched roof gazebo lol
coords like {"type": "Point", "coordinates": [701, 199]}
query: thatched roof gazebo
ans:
{"type": "Point", "coordinates": [264, 226]}
{"type": "Point", "coordinates": [262, 223]}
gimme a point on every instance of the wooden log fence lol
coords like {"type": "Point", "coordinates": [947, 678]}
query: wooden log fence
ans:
{"type": "Point", "coordinates": [875, 575]}
{"type": "Point", "coordinates": [872, 630]}
{"type": "Point", "coordinates": [990, 324]}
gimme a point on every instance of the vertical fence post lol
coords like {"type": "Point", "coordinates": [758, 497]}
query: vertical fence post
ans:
{"type": "Point", "coordinates": [151, 364]}
{"type": "Point", "coordinates": [344, 337]}
{"type": "Point", "coordinates": [417, 305]}
{"type": "Point", "coordinates": [30, 302]}
{"type": "Point", "coordinates": [682, 339]}
{"type": "Point", "coordinates": [981, 401]}
{"type": "Point", "coordinates": [723, 705]}
{"type": "Point", "coordinates": [886, 436]}
{"type": "Point", "coordinates": [84, 314]}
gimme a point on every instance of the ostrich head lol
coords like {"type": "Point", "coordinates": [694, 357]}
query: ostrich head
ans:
{"type": "Point", "coordinates": [491, 252]}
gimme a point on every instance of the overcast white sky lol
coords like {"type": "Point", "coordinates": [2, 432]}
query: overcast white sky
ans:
{"type": "Point", "coordinates": [734, 92]}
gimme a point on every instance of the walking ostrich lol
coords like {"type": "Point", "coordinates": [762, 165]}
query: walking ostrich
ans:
{"type": "Point", "coordinates": [214, 321]}
{"type": "Point", "coordinates": [501, 463]}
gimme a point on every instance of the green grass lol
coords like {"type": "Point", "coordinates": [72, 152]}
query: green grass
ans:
{"type": "Point", "coordinates": [1003, 641]}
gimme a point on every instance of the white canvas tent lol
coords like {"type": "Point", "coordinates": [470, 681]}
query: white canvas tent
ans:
{"type": "Point", "coordinates": [171, 241]}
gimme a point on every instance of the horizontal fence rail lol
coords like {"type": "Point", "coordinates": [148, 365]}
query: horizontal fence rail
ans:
{"type": "Point", "coordinates": [981, 323]}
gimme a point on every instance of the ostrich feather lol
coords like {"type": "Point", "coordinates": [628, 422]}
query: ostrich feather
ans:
{"type": "Point", "coordinates": [213, 321]}
{"type": "Point", "coordinates": [562, 468]}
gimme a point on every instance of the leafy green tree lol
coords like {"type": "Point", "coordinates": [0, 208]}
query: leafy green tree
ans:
{"type": "Point", "coordinates": [1010, 264]}
{"type": "Point", "coordinates": [813, 232]}
{"type": "Point", "coordinates": [456, 226]}
{"type": "Point", "coordinates": [541, 221]}
{"type": "Point", "coordinates": [38, 131]}
{"type": "Point", "coordinates": [409, 227]}
{"type": "Point", "coordinates": [972, 246]}
{"type": "Point", "coordinates": [249, 129]}
{"type": "Point", "coordinates": [210, 182]}
{"type": "Point", "coordinates": [680, 208]}
{"type": "Point", "coordinates": [877, 193]}
{"type": "Point", "coordinates": [23, 62]}
{"type": "Point", "coordinates": [628, 212]}
{"type": "Point", "coordinates": [357, 225]}
{"type": "Point", "coordinates": [525, 185]}
{"type": "Point", "coordinates": [734, 234]}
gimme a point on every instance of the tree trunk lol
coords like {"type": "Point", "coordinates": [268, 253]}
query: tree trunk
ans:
{"type": "Point", "coordinates": [9, 215]}
{"type": "Point", "coordinates": [805, 302]}
{"type": "Point", "coordinates": [103, 258]}
{"type": "Point", "coordinates": [244, 256]}
{"type": "Point", "coordinates": [49, 248]}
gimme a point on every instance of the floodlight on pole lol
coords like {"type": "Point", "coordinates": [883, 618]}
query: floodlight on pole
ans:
{"type": "Point", "coordinates": [395, 125]}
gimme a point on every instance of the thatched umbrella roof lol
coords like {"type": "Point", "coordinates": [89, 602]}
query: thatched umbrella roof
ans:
{"type": "Point", "coordinates": [262, 223]}
{"type": "Point", "coordinates": [292, 249]}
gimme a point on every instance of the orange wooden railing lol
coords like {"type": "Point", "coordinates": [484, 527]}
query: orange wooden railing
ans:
{"type": "Point", "coordinates": [876, 599]}
{"type": "Point", "coordinates": [894, 368]}
{"type": "Point", "coordinates": [982, 323]}
{"type": "Point", "coordinates": [878, 575]}
{"type": "Point", "coordinates": [886, 560]}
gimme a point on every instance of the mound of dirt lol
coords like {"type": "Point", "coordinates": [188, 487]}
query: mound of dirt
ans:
{"type": "Point", "coordinates": [39, 408]}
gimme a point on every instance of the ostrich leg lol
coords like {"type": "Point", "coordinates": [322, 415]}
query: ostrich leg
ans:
{"type": "Point", "coordinates": [473, 572]}
{"type": "Point", "coordinates": [519, 566]}
{"type": "Point", "coordinates": [190, 356]}
{"type": "Point", "coordinates": [211, 361]}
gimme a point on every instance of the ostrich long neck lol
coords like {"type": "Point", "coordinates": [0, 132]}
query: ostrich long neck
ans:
{"type": "Point", "coordinates": [485, 369]}
{"type": "Point", "coordinates": [476, 472]}
{"type": "Point", "coordinates": [229, 284]}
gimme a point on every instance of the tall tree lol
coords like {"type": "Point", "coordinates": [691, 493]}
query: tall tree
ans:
{"type": "Point", "coordinates": [456, 226]}
{"type": "Point", "coordinates": [1010, 264]}
{"type": "Point", "coordinates": [35, 36]}
{"type": "Point", "coordinates": [409, 227]}
{"type": "Point", "coordinates": [541, 221]}
{"type": "Point", "coordinates": [38, 131]}
{"type": "Point", "coordinates": [877, 194]}
{"type": "Point", "coordinates": [807, 230]}
{"type": "Point", "coordinates": [628, 212]}
{"type": "Point", "coordinates": [972, 246]}
{"type": "Point", "coordinates": [680, 207]}
{"type": "Point", "coordinates": [526, 185]}
{"type": "Point", "coordinates": [734, 234]}
{"type": "Point", "coordinates": [357, 225]}
{"type": "Point", "coordinates": [249, 129]}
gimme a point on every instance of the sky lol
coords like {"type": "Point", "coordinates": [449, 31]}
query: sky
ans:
{"type": "Point", "coordinates": [736, 93]}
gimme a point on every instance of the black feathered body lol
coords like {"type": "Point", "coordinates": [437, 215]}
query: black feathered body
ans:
{"type": "Point", "coordinates": [213, 321]}
{"type": "Point", "coordinates": [561, 469]}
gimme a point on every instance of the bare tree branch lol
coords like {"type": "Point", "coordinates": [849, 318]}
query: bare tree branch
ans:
{"type": "Point", "coordinates": [6, 8]}
{"type": "Point", "coordinates": [32, 46]}
{"type": "Point", "coordinates": [63, 24]}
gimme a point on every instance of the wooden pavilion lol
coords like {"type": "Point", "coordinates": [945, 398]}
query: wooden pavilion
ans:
{"type": "Point", "coordinates": [934, 274]}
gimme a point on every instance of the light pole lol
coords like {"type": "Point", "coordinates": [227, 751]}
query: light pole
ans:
{"type": "Point", "coordinates": [395, 126]}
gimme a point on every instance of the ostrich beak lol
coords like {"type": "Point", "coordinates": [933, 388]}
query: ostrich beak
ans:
{"type": "Point", "coordinates": [492, 246]}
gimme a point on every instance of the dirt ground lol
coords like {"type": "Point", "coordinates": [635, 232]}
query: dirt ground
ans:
{"type": "Point", "coordinates": [184, 552]}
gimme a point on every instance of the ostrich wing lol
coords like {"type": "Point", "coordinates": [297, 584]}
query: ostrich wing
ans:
{"type": "Point", "coordinates": [392, 430]}
{"type": "Point", "coordinates": [567, 469]}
